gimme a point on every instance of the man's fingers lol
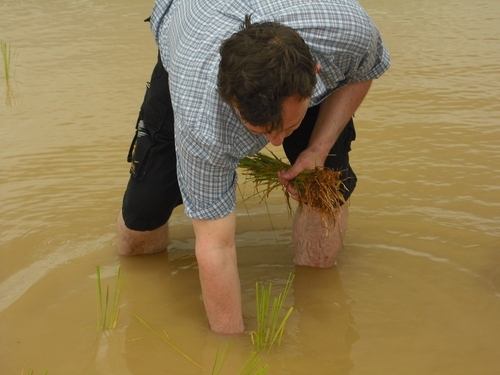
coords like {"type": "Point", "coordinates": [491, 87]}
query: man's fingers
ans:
{"type": "Point", "coordinates": [288, 184]}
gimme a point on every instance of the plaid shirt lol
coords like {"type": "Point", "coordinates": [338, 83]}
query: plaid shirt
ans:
{"type": "Point", "coordinates": [209, 137]}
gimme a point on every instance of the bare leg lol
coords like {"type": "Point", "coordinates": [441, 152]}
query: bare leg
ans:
{"type": "Point", "coordinates": [314, 245]}
{"type": "Point", "coordinates": [132, 242]}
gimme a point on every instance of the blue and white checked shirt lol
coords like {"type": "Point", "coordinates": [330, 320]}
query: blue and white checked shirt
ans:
{"type": "Point", "coordinates": [209, 137]}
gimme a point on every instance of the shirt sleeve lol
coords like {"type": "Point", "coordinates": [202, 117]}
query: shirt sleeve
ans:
{"type": "Point", "coordinates": [347, 45]}
{"type": "Point", "coordinates": [207, 182]}
{"type": "Point", "coordinates": [373, 63]}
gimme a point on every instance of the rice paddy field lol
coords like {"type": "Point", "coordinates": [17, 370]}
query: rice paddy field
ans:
{"type": "Point", "coordinates": [417, 286]}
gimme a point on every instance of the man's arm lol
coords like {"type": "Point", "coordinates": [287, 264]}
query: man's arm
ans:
{"type": "Point", "coordinates": [220, 283]}
{"type": "Point", "coordinates": [334, 113]}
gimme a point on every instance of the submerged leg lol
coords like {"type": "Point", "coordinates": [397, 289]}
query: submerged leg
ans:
{"type": "Point", "coordinates": [132, 242]}
{"type": "Point", "coordinates": [315, 245]}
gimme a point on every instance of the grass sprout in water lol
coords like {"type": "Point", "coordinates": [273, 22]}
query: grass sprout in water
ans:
{"type": "Point", "coordinates": [219, 362]}
{"type": "Point", "coordinates": [166, 338]}
{"type": "Point", "coordinates": [248, 367]}
{"type": "Point", "coordinates": [7, 58]}
{"type": "Point", "coordinates": [319, 188]}
{"type": "Point", "coordinates": [6, 54]}
{"type": "Point", "coordinates": [269, 326]}
{"type": "Point", "coordinates": [108, 303]}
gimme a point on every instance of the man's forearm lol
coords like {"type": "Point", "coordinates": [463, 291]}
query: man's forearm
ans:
{"type": "Point", "coordinates": [335, 112]}
{"type": "Point", "coordinates": [218, 269]}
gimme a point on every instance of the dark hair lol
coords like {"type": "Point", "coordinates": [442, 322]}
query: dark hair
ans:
{"type": "Point", "coordinates": [262, 65]}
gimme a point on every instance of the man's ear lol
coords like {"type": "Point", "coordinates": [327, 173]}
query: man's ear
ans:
{"type": "Point", "coordinates": [317, 69]}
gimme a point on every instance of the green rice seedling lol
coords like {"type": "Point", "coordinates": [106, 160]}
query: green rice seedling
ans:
{"type": "Point", "coordinates": [319, 188]}
{"type": "Point", "coordinates": [166, 338]}
{"type": "Point", "coordinates": [251, 363]}
{"type": "Point", "coordinates": [248, 367]}
{"type": "Point", "coordinates": [263, 171]}
{"type": "Point", "coordinates": [108, 307]}
{"type": "Point", "coordinates": [269, 327]}
{"type": "Point", "coordinates": [6, 54]}
{"type": "Point", "coordinates": [218, 364]}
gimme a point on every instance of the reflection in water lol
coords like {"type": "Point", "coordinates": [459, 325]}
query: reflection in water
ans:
{"type": "Point", "coordinates": [109, 351]}
{"type": "Point", "coordinates": [325, 329]}
{"type": "Point", "coordinates": [417, 288]}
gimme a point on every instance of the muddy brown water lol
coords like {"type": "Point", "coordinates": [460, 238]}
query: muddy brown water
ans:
{"type": "Point", "coordinates": [417, 287]}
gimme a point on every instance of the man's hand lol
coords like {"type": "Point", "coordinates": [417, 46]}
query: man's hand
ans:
{"type": "Point", "coordinates": [334, 113]}
{"type": "Point", "coordinates": [306, 160]}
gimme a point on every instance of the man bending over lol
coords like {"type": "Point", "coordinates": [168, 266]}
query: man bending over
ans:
{"type": "Point", "coordinates": [232, 76]}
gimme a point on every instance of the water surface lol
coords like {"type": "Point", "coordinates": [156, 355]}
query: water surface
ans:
{"type": "Point", "coordinates": [417, 288]}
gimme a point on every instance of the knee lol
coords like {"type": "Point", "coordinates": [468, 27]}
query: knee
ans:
{"type": "Point", "coordinates": [132, 242]}
{"type": "Point", "coordinates": [316, 245]}
{"type": "Point", "coordinates": [123, 237]}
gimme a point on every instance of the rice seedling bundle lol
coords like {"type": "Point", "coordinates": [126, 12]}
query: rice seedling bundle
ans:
{"type": "Point", "coordinates": [319, 188]}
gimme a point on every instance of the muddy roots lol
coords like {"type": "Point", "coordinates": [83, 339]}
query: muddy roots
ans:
{"type": "Point", "coordinates": [319, 188]}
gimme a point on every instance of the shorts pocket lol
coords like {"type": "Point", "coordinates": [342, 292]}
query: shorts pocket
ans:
{"type": "Point", "coordinates": [140, 151]}
{"type": "Point", "coordinates": [156, 109]}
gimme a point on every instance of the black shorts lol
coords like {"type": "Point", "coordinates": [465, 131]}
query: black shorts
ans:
{"type": "Point", "coordinates": [153, 192]}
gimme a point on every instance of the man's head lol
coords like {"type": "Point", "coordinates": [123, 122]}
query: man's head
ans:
{"type": "Point", "coordinates": [262, 67]}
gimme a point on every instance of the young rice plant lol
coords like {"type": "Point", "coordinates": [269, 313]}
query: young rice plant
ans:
{"type": "Point", "coordinates": [248, 367]}
{"type": "Point", "coordinates": [108, 303]}
{"type": "Point", "coordinates": [269, 326]}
